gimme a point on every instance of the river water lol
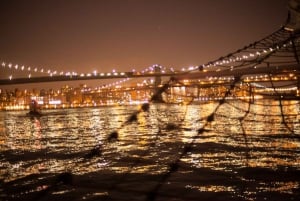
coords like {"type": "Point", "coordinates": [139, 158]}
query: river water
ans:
{"type": "Point", "coordinates": [206, 151]}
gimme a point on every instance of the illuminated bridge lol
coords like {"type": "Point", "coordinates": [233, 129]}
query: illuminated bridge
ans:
{"type": "Point", "coordinates": [179, 75]}
{"type": "Point", "coordinates": [270, 62]}
{"type": "Point", "coordinates": [87, 76]}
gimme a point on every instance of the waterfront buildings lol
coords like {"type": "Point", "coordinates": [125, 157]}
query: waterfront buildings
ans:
{"type": "Point", "coordinates": [84, 96]}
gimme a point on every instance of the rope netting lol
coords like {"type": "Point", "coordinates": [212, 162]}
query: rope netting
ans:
{"type": "Point", "coordinates": [275, 57]}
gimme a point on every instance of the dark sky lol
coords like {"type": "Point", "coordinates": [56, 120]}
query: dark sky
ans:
{"type": "Point", "coordinates": [87, 35]}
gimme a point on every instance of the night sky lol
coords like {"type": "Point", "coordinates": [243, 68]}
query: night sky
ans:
{"type": "Point", "coordinates": [87, 35]}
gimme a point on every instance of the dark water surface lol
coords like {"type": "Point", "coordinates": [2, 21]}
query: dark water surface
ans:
{"type": "Point", "coordinates": [163, 154]}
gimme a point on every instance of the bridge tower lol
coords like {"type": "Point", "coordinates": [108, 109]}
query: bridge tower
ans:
{"type": "Point", "coordinates": [157, 83]}
{"type": "Point", "coordinates": [157, 71]}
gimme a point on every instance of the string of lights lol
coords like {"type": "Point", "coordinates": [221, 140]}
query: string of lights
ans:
{"type": "Point", "coordinates": [279, 45]}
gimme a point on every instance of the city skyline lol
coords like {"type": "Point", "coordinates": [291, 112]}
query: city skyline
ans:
{"type": "Point", "coordinates": [123, 35]}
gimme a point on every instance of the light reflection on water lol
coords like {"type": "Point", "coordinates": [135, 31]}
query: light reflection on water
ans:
{"type": "Point", "coordinates": [247, 156]}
